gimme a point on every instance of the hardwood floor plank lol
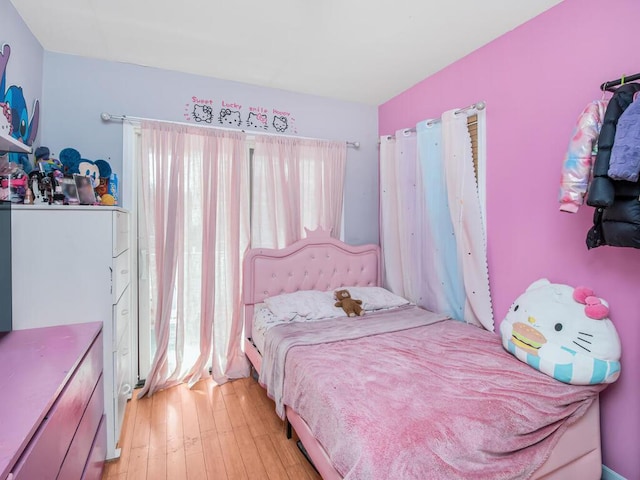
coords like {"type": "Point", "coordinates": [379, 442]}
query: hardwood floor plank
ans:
{"type": "Point", "coordinates": [215, 396]}
{"type": "Point", "coordinates": [234, 410]}
{"type": "Point", "coordinates": [138, 460]}
{"type": "Point", "coordinates": [231, 455]}
{"type": "Point", "coordinates": [176, 462]}
{"type": "Point", "coordinates": [213, 458]}
{"type": "Point", "coordinates": [249, 452]}
{"type": "Point", "coordinates": [141, 427]}
{"type": "Point", "coordinates": [298, 472]}
{"type": "Point", "coordinates": [287, 449]}
{"type": "Point", "coordinates": [114, 468]}
{"type": "Point", "coordinates": [190, 425]}
{"type": "Point", "coordinates": [223, 422]}
{"type": "Point", "coordinates": [203, 406]}
{"type": "Point", "coordinates": [227, 388]}
{"type": "Point", "coordinates": [196, 467]}
{"type": "Point", "coordinates": [158, 426]}
{"type": "Point", "coordinates": [175, 429]}
{"type": "Point", "coordinates": [270, 459]}
{"type": "Point", "coordinates": [249, 406]}
{"type": "Point", "coordinates": [157, 465]}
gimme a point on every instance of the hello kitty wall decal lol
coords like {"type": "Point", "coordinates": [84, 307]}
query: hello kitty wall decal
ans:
{"type": "Point", "coordinates": [233, 115]}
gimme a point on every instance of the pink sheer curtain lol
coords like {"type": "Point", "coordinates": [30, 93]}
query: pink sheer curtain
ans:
{"type": "Point", "coordinates": [194, 204]}
{"type": "Point", "coordinates": [297, 183]}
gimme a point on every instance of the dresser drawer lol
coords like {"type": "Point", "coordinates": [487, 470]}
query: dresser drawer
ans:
{"type": "Point", "coordinates": [124, 383]}
{"type": "Point", "coordinates": [121, 275]}
{"type": "Point", "coordinates": [122, 367]}
{"type": "Point", "coordinates": [78, 453]}
{"type": "Point", "coordinates": [120, 232]}
{"type": "Point", "coordinates": [95, 462]}
{"type": "Point", "coordinates": [121, 317]}
{"type": "Point", "coordinates": [46, 451]}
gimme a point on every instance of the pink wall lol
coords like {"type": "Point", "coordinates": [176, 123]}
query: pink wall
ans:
{"type": "Point", "coordinates": [535, 80]}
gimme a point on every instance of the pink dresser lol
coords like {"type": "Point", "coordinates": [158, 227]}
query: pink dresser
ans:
{"type": "Point", "coordinates": [52, 403]}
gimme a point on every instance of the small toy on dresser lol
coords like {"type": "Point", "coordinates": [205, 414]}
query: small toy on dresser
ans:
{"type": "Point", "coordinates": [103, 180]}
{"type": "Point", "coordinates": [350, 306]}
{"type": "Point", "coordinates": [564, 332]}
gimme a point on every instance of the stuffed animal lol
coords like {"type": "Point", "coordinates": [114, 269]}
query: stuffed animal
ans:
{"type": "Point", "coordinates": [563, 332]}
{"type": "Point", "coordinates": [103, 187]}
{"type": "Point", "coordinates": [70, 159]}
{"type": "Point", "coordinates": [351, 307]}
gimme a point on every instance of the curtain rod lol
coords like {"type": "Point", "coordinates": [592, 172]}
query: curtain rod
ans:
{"type": "Point", "coordinates": [474, 106]}
{"type": "Point", "coordinates": [620, 81]}
{"type": "Point", "coordinates": [108, 117]}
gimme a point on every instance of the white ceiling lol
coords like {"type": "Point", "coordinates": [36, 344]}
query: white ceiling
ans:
{"type": "Point", "coordinates": [356, 50]}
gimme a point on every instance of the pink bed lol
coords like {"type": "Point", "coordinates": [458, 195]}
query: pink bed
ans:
{"type": "Point", "coordinates": [322, 263]}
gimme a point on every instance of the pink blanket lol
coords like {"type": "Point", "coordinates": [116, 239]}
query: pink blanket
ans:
{"type": "Point", "coordinates": [443, 401]}
{"type": "Point", "coordinates": [280, 339]}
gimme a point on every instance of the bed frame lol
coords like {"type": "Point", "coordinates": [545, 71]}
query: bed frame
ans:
{"type": "Point", "coordinates": [320, 262]}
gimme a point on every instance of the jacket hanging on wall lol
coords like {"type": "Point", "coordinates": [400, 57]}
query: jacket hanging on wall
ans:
{"type": "Point", "coordinates": [578, 161]}
{"type": "Point", "coordinates": [617, 215]}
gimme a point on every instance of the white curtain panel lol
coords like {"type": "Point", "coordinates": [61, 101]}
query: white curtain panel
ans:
{"type": "Point", "coordinates": [195, 208]}
{"type": "Point", "coordinates": [296, 183]}
{"type": "Point", "coordinates": [400, 201]}
{"type": "Point", "coordinates": [431, 226]}
{"type": "Point", "coordinates": [466, 217]}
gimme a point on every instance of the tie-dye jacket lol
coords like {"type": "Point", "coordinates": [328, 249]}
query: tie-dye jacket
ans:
{"type": "Point", "coordinates": [578, 162]}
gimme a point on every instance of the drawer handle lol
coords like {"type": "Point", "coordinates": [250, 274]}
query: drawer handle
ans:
{"type": "Point", "coordinates": [126, 389]}
{"type": "Point", "coordinates": [124, 272]}
{"type": "Point", "coordinates": [124, 312]}
{"type": "Point", "coordinates": [124, 352]}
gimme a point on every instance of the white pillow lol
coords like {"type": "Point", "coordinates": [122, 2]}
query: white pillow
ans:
{"type": "Point", "coordinates": [315, 305]}
{"type": "Point", "coordinates": [311, 304]}
{"type": "Point", "coordinates": [376, 298]}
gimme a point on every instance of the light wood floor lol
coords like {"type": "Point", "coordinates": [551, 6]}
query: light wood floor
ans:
{"type": "Point", "coordinates": [207, 432]}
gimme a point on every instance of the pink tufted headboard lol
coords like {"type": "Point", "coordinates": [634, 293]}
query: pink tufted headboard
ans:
{"type": "Point", "coordinates": [317, 262]}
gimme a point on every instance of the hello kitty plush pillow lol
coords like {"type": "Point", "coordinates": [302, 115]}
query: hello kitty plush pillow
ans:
{"type": "Point", "coordinates": [563, 332]}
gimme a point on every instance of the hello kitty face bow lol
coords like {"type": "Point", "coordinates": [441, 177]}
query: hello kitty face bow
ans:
{"type": "Point", "coordinates": [595, 308]}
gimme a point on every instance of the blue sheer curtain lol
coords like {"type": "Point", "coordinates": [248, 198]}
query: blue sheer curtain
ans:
{"type": "Point", "coordinates": [441, 271]}
{"type": "Point", "coordinates": [431, 225]}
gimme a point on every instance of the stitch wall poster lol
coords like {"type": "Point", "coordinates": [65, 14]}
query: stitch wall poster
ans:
{"type": "Point", "coordinates": [14, 115]}
{"type": "Point", "coordinates": [214, 112]}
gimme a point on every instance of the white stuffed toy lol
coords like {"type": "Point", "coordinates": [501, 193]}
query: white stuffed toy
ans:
{"type": "Point", "coordinates": [564, 333]}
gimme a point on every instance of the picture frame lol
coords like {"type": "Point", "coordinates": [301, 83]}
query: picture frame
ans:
{"type": "Point", "coordinates": [69, 190]}
{"type": "Point", "coordinates": [86, 194]}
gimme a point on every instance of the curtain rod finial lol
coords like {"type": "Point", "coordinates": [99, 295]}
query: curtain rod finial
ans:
{"type": "Point", "coordinates": [480, 105]}
{"type": "Point", "coordinates": [105, 116]}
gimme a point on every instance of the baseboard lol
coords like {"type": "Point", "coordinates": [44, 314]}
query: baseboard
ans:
{"type": "Point", "coordinates": [608, 474]}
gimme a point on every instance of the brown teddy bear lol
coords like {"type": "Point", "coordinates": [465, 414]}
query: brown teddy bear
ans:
{"type": "Point", "coordinates": [351, 307]}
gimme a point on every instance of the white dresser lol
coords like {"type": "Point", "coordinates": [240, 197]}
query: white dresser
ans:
{"type": "Point", "coordinates": [72, 264]}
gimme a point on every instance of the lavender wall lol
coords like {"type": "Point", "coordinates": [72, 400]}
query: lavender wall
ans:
{"type": "Point", "coordinates": [536, 80]}
{"type": "Point", "coordinates": [25, 62]}
{"type": "Point", "coordinates": [78, 89]}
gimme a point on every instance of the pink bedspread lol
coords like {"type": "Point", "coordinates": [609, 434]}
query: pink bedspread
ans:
{"type": "Point", "coordinates": [280, 339]}
{"type": "Point", "coordinates": [443, 401]}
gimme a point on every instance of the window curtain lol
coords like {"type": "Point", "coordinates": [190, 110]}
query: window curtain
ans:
{"type": "Point", "coordinates": [431, 225]}
{"type": "Point", "coordinates": [466, 218]}
{"type": "Point", "coordinates": [296, 183]}
{"type": "Point", "coordinates": [401, 236]}
{"type": "Point", "coordinates": [443, 281]}
{"type": "Point", "coordinates": [194, 207]}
